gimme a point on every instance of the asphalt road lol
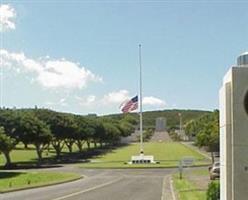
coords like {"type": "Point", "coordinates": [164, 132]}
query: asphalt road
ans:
{"type": "Point", "coordinates": [119, 184]}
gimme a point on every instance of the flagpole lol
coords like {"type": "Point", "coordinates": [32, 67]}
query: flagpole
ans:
{"type": "Point", "coordinates": [140, 102]}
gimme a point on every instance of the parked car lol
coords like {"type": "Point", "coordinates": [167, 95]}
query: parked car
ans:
{"type": "Point", "coordinates": [214, 171]}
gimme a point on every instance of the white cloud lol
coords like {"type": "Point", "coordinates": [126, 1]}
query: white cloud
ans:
{"type": "Point", "coordinates": [7, 15]}
{"type": "Point", "coordinates": [153, 101]}
{"type": "Point", "coordinates": [86, 101]}
{"type": "Point", "coordinates": [116, 97]}
{"type": "Point", "coordinates": [60, 102]}
{"type": "Point", "coordinates": [120, 96]}
{"type": "Point", "coordinates": [50, 73]}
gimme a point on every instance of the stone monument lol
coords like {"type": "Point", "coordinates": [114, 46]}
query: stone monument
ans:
{"type": "Point", "coordinates": [160, 124]}
{"type": "Point", "coordinates": [234, 132]}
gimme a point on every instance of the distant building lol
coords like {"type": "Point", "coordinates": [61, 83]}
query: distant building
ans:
{"type": "Point", "coordinates": [160, 124]}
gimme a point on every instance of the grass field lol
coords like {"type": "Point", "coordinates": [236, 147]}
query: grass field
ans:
{"type": "Point", "coordinates": [168, 154]}
{"type": "Point", "coordinates": [19, 180]}
{"type": "Point", "coordinates": [193, 186]}
{"type": "Point", "coordinates": [22, 155]}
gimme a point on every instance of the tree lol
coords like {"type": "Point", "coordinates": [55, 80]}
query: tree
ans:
{"type": "Point", "coordinates": [89, 133]}
{"type": "Point", "coordinates": [114, 129]}
{"type": "Point", "coordinates": [80, 134]}
{"type": "Point", "coordinates": [34, 131]}
{"type": "Point", "coordinates": [70, 132]}
{"type": "Point", "coordinates": [7, 144]}
{"type": "Point", "coordinates": [9, 119]}
{"type": "Point", "coordinates": [191, 128]}
{"type": "Point", "coordinates": [63, 129]}
{"type": "Point", "coordinates": [100, 133]}
{"type": "Point", "coordinates": [206, 129]}
{"type": "Point", "coordinates": [129, 119]}
{"type": "Point", "coordinates": [126, 128]}
{"type": "Point", "coordinates": [112, 132]}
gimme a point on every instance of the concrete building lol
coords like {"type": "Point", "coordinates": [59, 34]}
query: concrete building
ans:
{"type": "Point", "coordinates": [160, 124]}
{"type": "Point", "coordinates": [234, 132]}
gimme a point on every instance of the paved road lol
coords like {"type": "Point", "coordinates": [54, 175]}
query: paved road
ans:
{"type": "Point", "coordinates": [119, 184]}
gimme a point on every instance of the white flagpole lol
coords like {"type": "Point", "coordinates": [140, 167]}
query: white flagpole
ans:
{"type": "Point", "coordinates": [140, 103]}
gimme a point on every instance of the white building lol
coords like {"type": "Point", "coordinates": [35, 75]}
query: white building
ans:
{"type": "Point", "coordinates": [234, 132]}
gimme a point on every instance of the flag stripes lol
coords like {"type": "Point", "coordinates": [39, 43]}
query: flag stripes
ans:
{"type": "Point", "coordinates": [130, 105]}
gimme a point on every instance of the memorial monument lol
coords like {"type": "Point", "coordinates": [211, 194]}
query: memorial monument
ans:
{"type": "Point", "coordinates": [160, 124]}
{"type": "Point", "coordinates": [234, 132]}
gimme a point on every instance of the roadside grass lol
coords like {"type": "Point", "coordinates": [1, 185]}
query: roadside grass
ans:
{"type": "Point", "coordinates": [10, 181]}
{"type": "Point", "coordinates": [167, 153]}
{"type": "Point", "coordinates": [200, 172]}
{"type": "Point", "coordinates": [192, 186]}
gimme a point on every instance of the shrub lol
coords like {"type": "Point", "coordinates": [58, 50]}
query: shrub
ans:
{"type": "Point", "coordinates": [174, 136]}
{"type": "Point", "coordinates": [213, 192]}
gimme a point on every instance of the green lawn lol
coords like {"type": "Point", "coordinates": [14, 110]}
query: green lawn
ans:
{"type": "Point", "coordinates": [19, 180]}
{"type": "Point", "coordinates": [186, 190]}
{"type": "Point", "coordinates": [168, 154]}
{"type": "Point", "coordinates": [20, 154]}
{"type": "Point", "coordinates": [193, 186]}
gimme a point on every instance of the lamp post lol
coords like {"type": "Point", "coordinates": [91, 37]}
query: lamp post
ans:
{"type": "Point", "coordinates": [140, 104]}
{"type": "Point", "coordinates": [181, 124]}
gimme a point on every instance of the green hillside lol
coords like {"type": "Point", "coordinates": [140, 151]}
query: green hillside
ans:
{"type": "Point", "coordinates": [149, 117]}
{"type": "Point", "coordinates": [172, 117]}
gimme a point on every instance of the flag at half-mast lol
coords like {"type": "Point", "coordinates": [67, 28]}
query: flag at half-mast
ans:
{"type": "Point", "coordinates": [130, 105]}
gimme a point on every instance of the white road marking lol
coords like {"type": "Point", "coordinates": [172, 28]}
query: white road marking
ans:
{"type": "Point", "coordinates": [88, 190]}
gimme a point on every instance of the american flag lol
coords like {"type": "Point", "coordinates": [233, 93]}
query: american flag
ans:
{"type": "Point", "coordinates": [130, 105]}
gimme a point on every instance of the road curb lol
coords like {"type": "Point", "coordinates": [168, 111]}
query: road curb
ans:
{"type": "Point", "coordinates": [168, 192]}
{"type": "Point", "coordinates": [159, 167]}
{"type": "Point", "coordinates": [174, 197]}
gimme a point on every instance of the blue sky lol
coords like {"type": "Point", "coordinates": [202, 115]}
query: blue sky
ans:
{"type": "Point", "coordinates": [82, 56]}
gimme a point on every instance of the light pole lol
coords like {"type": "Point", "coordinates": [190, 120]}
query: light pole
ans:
{"type": "Point", "coordinates": [181, 124]}
{"type": "Point", "coordinates": [140, 104]}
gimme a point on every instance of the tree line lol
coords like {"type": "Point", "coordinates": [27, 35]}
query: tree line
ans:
{"type": "Point", "coordinates": [44, 128]}
{"type": "Point", "coordinates": [205, 130]}
{"type": "Point", "coordinates": [172, 118]}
